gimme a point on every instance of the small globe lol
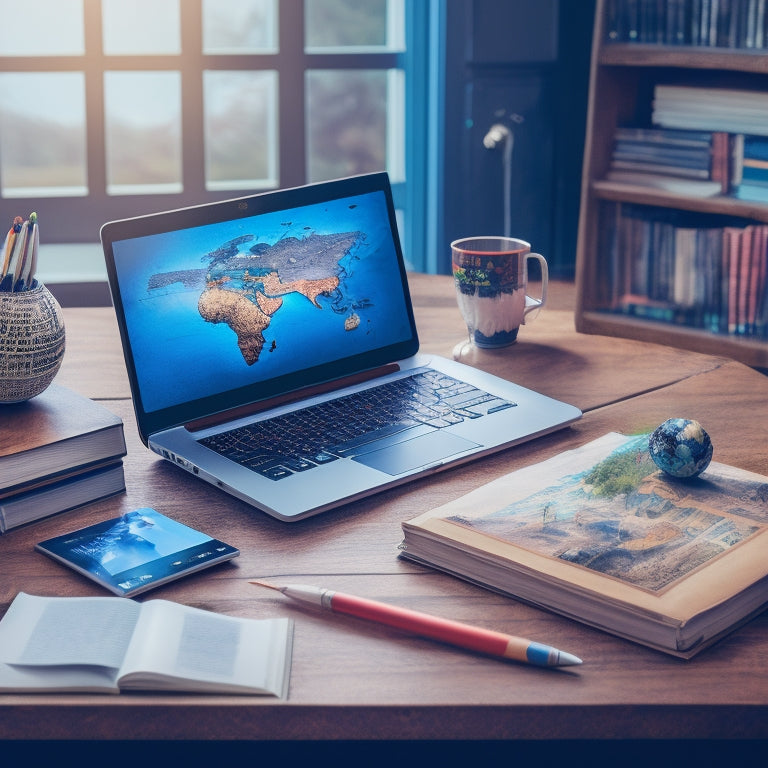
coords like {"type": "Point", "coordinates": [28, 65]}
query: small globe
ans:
{"type": "Point", "coordinates": [681, 448]}
{"type": "Point", "coordinates": [31, 342]}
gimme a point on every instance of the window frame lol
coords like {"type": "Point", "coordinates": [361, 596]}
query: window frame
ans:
{"type": "Point", "coordinates": [78, 219]}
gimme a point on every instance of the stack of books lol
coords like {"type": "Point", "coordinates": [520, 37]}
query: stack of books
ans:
{"type": "Point", "coordinates": [694, 163]}
{"type": "Point", "coordinates": [58, 451]}
{"type": "Point", "coordinates": [703, 142]}
{"type": "Point", "coordinates": [711, 109]}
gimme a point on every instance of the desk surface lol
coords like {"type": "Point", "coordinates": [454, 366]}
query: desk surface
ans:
{"type": "Point", "coordinates": [354, 680]}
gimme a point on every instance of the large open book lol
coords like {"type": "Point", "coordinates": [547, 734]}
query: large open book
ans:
{"type": "Point", "coordinates": [109, 644]}
{"type": "Point", "coordinates": [600, 535]}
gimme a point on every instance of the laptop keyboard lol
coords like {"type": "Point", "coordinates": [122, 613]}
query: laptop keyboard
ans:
{"type": "Point", "coordinates": [354, 424]}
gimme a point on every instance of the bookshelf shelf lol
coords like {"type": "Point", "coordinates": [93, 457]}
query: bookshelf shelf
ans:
{"type": "Point", "coordinates": [623, 77]}
{"type": "Point", "coordinates": [684, 56]}
{"type": "Point", "coordinates": [728, 206]}
{"type": "Point", "coordinates": [749, 351]}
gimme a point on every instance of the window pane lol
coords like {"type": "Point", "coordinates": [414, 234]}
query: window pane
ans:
{"type": "Point", "coordinates": [42, 134]}
{"type": "Point", "coordinates": [354, 123]}
{"type": "Point", "coordinates": [127, 29]}
{"type": "Point", "coordinates": [41, 28]}
{"type": "Point", "coordinates": [239, 26]}
{"type": "Point", "coordinates": [240, 129]}
{"type": "Point", "coordinates": [143, 132]}
{"type": "Point", "coordinates": [354, 25]}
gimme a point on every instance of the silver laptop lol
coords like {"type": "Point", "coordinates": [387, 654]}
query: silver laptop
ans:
{"type": "Point", "coordinates": [272, 351]}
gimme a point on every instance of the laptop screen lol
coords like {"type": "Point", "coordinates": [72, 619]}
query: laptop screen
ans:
{"type": "Point", "coordinates": [232, 302]}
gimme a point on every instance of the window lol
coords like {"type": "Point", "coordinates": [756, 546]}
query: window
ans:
{"type": "Point", "coordinates": [114, 108]}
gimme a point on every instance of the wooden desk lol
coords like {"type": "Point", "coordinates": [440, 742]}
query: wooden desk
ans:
{"type": "Point", "coordinates": [352, 680]}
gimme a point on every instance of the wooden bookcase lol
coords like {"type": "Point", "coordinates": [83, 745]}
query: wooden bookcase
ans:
{"type": "Point", "coordinates": [622, 80]}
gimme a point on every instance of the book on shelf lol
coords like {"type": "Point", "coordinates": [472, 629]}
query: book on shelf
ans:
{"type": "Point", "coordinates": [739, 24]}
{"type": "Point", "coordinates": [659, 157]}
{"type": "Point", "coordinates": [600, 535]}
{"type": "Point", "coordinates": [61, 494]}
{"type": "Point", "coordinates": [691, 163]}
{"type": "Point", "coordinates": [686, 159]}
{"type": "Point", "coordinates": [710, 109]}
{"type": "Point", "coordinates": [55, 432]}
{"type": "Point", "coordinates": [753, 184]}
{"type": "Point", "coordinates": [755, 173]}
{"type": "Point", "coordinates": [666, 137]}
{"type": "Point", "coordinates": [620, 162]}
{"type": "Point", "coordinates": [687, 268]}
{"type": "Point", "coordinates": [755, 148]}
{"type": "Point", "coordinates": [109, 645]}
{"type": "Point", "coordinates": [666, 183]}
{"type": "Point", "coordinates": [755, 193]}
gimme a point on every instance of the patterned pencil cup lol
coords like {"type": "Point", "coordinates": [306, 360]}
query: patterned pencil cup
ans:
{"type": "Point", "coordinates": [31, 342]}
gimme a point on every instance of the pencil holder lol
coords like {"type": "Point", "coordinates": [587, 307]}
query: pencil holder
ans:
{"type": "Point", "coordinates": [31, 342]}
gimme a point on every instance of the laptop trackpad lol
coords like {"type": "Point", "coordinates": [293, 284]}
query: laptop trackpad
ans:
{"type": "Point", "coordinates": [418, 452]}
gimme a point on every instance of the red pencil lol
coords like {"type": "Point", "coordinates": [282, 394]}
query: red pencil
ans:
{"type": "Point", "coordinates": [444, 630]}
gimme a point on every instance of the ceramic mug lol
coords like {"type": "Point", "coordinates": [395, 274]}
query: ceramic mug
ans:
{"type": "Point", "coordinates": [491, 279]}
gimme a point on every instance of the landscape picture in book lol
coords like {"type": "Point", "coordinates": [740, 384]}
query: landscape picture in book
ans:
{"type": "Point", "coordinates": [603, 536]}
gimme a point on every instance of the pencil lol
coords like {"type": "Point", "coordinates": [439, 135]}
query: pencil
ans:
{"type": "Point", "coordinates": [426, 625]}
{"type": "Point", "coordinates": [27, 272]}
{"type": "Point", "coordinates": [17, 256]}
{"type": "Point", "coordinates": [10, 241]}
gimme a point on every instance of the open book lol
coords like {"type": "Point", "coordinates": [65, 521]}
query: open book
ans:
{"type": "Point", "coordinates": [109, 644]}
{"type": "Point", "coordinates": [600, 535]}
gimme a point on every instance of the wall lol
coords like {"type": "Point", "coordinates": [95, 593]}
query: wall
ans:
{"type": "Point", "coordinates": [522, 64]}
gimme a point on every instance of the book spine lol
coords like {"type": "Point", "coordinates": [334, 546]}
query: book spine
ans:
{"type": "Point", "coordinates": [735, 24]}
{"type": "Point", "coordinates": [59, 497]}
{"type": "Point", "coordinates": [679, 171]}
{"type": "Point", "coordinates": [684, 268]}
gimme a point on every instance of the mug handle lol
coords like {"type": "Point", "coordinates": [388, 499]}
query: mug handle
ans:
{"type": "Point", "coordinates": [532, 303]}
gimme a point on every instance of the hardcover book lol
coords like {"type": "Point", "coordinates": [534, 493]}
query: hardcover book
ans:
{"type": "Point", "coordinates": [64, 492]}
{"type": "Point", "coordinates": [55, 432]}
{"type": "Point", "coordinates": [110, 644]}
{"type": "Point", "coordinates": [602, 536]}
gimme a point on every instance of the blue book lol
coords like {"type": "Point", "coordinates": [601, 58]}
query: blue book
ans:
{"type": "Point", "coordinates": [756, 147]}
{"type": "Point", "coordinates": [752, 175]}
{"type": "Point", "coordinates": [753, 192]}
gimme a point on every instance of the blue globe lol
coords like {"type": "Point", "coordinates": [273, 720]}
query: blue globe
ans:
{"type": "Point", "coordinates": [680, 447]}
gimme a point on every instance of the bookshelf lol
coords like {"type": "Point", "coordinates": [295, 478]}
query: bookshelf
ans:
{"type": "Point", "coordinates": [623, 78]}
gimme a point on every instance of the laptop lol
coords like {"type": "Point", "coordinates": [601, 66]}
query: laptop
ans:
{"type": "Point", "coordinates": [272, 351]}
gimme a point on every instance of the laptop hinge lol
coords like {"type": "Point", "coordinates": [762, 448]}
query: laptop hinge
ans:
{"type": "Point", "coordinates": [289, 397]}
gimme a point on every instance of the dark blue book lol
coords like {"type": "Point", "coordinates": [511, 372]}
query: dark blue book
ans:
{"type": "Point", "coordinates": [756, 147]}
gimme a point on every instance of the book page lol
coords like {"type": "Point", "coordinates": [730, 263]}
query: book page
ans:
{"type": "Point", "coordinates": [74, 679]}
{"type": "Point", "coordinates": [67, 630]}
{"type": "Point", "coordinates": [607, 508]}
{"type": "Point", "coordinates": [211, 651]}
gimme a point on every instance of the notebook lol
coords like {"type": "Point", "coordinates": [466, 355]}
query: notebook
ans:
{"type": "Point", "coordinates": [272, 351]}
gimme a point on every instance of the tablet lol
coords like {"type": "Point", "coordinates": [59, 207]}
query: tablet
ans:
{"type": "Point", "coordinates": [137, 551]}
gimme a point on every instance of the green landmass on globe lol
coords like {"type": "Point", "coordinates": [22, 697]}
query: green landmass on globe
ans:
{"type": "Point", "coordinates": [244, 289]}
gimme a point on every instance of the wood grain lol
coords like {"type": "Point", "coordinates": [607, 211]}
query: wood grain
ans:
{"type": "Point", "coordinates": [355, 680]}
